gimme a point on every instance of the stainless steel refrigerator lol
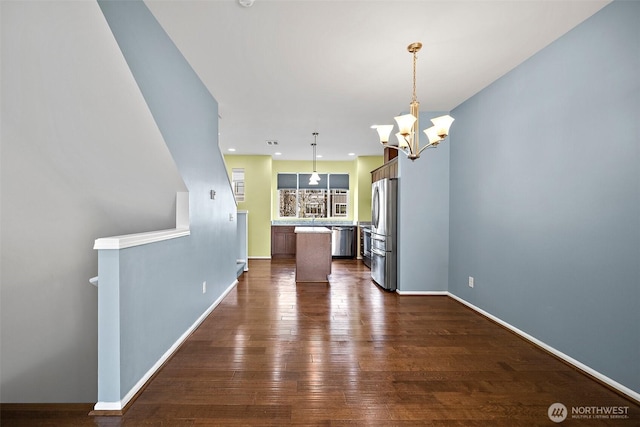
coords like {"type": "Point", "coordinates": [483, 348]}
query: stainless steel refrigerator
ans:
{"type": "Point", "coordinates": [384, 205]}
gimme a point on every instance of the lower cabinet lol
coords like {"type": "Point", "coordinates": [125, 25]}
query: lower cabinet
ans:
{"type": "Point", "coordinates": [283, 241]}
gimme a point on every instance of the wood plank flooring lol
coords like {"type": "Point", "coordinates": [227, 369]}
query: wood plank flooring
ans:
{"type": "Point", "coordinates": [274, 353]}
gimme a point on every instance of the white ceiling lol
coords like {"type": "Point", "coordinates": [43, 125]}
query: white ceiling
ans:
{"type": "Point", "coordinates": [282, 69]}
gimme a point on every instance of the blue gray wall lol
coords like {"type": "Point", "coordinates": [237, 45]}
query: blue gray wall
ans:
{"type": "Point", "coordinates": [423, 217]}
{"type": "Point", "coordinates": [161, 284]}
{"type": "Point", "coordinates": [545, 195]}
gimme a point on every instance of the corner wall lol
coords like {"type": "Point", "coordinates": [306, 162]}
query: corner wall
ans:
{"type": "Point", "coordinates": [545, 195]}
{"type": "Point", "coordinates": [423, 217]}
{"type": "Point", "coordinates": [162, 291]}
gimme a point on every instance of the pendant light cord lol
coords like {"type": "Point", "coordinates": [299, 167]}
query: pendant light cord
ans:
{"type": "Point", "coordinates": [315, 142]}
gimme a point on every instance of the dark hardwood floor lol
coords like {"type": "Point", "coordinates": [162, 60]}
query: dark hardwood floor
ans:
{"type": "Point", "coordinates": [277, 353]}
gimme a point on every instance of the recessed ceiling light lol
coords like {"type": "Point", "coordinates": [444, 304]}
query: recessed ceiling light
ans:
{"type": "Point", "coordinates": [352, 154]}
{"type": "Point", "coordinates": [319, 155]}
{"type": "Point", "coordinates": [278, 154]}
{"type": "Point", "coordinates": [231, 149]}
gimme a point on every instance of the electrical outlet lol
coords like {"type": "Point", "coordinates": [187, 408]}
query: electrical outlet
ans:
{"type": "Point", "coordinates": [204, 287]}
{"type": "Point", "coordinates": [470, 282]}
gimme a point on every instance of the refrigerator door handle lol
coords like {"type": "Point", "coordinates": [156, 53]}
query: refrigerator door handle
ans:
{"type": "Point", "coordinates": [377, 251]}
{"type": "Point", "coordinates": [375, 208]}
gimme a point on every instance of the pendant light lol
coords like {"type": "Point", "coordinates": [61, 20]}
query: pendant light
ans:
{"type": "Point", "coordinates": [315, 178]}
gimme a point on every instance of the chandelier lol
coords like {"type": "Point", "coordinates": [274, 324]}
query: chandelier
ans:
{"type": "Point", "coordinates": [408, 137]}
{"type": "Point", "coordinates": [315, 178]}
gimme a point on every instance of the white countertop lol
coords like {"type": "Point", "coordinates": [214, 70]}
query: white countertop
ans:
{"type": "Point", "coordinates": [318, 222]}
{"type": "Point", "coordinates": [317, 230]}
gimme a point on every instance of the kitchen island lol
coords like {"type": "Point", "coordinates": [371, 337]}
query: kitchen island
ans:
{"type": "Point", "coordinates": [313, 254]}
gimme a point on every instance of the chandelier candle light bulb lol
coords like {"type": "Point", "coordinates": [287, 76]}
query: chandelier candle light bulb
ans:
{"type": "Point", "coordinates": [384, 131]}
{"type": "Point", "coordinates": [402, 140]}
{"type": "Point", "coordinates": [405, 123]}
{"type": "Point", "coordinates": [408, 138]}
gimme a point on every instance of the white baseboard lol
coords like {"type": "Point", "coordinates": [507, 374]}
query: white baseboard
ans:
{"type": "Point", "coordinates": [398, 291]}
{"type": "Point", "coordinates": [577, 364]}
{"type": "Point", "coordinates": [118, 406]}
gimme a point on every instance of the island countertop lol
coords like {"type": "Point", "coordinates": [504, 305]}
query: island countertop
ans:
{"type": "Point", "coordinates": [313, 254]}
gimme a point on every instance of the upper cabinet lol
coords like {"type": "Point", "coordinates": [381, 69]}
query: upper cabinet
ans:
{"type": "Point", "coordinates": [388, 170]}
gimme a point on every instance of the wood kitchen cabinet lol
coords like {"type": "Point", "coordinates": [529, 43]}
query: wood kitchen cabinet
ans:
{"type": "Point", "coordinates": [388, 170]}
{"type": "Point", "coordinates": [283, 241]}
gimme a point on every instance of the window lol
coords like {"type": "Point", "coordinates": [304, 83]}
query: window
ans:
{"type": "Point", "coordinates": [237, 180]}
{"type": "Point", "coordinates": [298, 199]}
{"type": "Point", "coordinates": [288, 203]}
{"type": "Point", "coordinates": [338, 203]}
{"type": "Point", "coordinates": [313, 203]}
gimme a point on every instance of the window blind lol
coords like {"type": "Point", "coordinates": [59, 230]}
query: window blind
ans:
{"type": "Point", "coordinates": [339, 181]}
{"type": "Point", "coordinates": [290, 181]}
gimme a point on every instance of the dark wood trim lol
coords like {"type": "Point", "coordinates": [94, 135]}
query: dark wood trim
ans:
{"type": "Point", "coordinates": [389, 154]}
{"type": "Point", "coordinates": [45, 407]}
{"type": "Point", "coordinates": [95, 413]}
{"type": "Point", "coordinates": [387, 170]}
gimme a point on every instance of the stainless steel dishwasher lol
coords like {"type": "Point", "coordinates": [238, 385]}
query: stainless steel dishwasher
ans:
{"type": "Point", "coordinates": [342, 241]}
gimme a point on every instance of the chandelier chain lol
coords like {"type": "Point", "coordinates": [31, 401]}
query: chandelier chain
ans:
{"type": "Point", "coordinates": [414, 77]}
